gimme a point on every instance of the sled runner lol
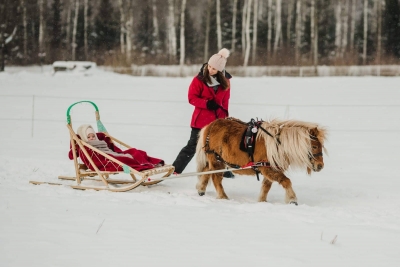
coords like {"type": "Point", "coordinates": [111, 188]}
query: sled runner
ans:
{"type": "Point", "coordinates": [93, 165]}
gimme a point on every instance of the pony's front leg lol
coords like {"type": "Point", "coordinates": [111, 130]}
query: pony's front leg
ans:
{"type": "Point", "coordinates": [217, 181]}
{"type": "Point", "coordinates": [283, 181]}
{"type": "Point", "coordinates": [290, 194]}
{"type": "Point", "coordinates": [265, 187]}
{"type": "Point", "coordinates": [202, 183]}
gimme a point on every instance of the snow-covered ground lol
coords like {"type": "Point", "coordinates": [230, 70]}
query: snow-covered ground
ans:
{"type": "Point", "coordinates": [348, 214]}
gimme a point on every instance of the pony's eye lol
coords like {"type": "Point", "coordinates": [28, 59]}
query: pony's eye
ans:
{"type": "Point", "coordinates": [314, 147]}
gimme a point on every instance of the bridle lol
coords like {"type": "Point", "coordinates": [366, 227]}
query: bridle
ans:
{"type": "Point", "coordinates": [311, 156]}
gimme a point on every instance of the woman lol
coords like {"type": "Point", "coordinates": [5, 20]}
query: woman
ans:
{"type": "Point", "coordinates": [209, 93]}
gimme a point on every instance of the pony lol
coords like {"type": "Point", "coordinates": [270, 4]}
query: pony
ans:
{"type": "Point", "coordinates": [268, 147]}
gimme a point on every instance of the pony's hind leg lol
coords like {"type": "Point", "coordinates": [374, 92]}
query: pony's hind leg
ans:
{"type": "Point", "coordinates": [265, 187]}
{"type": "Point", "coordinates": [217, 181]}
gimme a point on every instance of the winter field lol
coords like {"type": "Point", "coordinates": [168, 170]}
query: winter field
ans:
{"type": "Point", "coordinates": [348, 214]}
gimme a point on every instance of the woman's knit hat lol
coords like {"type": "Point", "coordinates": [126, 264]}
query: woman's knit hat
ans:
{"type": "Point", "coordinates": [218, 61]}
{"type": "Point", "coordinates": [84, 130]}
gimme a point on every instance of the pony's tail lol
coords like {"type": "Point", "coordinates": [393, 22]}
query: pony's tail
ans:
{"type": "Point", "coordinates": [201, 157]}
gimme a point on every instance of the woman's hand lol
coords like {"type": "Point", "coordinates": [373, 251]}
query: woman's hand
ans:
{"type": "Point", "coordinates": [212, 105]}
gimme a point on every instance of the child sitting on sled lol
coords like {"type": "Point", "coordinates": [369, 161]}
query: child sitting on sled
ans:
{"type": "Point", "coordinates": [137, 159]}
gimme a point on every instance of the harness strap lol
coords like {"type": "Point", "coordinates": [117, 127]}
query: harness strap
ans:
{"type": "Point", "coordinates": [257, 164]}
{"type": "Point", "coordinates": [219, 158]}
{"type": "Point", "coordinates": [250, 164]}
{"type": "Point", "coordinates": [252, 128]}
{"type": "Point", "coordinates": [268, 133]}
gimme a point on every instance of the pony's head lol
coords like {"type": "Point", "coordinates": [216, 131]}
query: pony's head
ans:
{"type": "Point", "coordinates": [317, 138]}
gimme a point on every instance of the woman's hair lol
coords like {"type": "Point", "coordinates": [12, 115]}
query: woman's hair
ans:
{"type": "Point", "coordinates": [220, 77]}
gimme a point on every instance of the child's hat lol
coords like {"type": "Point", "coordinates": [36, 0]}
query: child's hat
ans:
{"type": "Point", "coordinates": [90, 130]}
{"type": "Point", "coordinates": [84, 130]}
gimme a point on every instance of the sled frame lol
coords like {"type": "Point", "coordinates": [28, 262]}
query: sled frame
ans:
{"type": "Point", "coordinates": [82, 173]}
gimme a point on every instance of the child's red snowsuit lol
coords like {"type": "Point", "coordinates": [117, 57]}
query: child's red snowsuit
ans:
{"type": "Point", "coordinates": [141, 161]}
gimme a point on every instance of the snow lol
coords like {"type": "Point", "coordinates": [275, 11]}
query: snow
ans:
{"type": "Point", "coordinates": [348, 214]}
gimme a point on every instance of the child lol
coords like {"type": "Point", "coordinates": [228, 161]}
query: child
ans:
{"type": "Point", "coordinates": [135, 158]}
{"type": "Point", "coordinates": [87, 133]}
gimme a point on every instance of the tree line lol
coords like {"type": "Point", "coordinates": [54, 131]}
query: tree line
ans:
{"type": "Point", "coordinates": [257, 32]}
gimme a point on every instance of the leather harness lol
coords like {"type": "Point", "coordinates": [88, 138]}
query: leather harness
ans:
{"type": "Point", "coordinates": [247, 145]}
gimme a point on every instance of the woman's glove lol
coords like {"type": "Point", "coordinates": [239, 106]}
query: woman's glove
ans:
{"type": "Point", "coordinates": [211, 105]}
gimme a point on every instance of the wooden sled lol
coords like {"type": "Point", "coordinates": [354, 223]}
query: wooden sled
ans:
{"type": "Point", "coordinates": [83, 174]}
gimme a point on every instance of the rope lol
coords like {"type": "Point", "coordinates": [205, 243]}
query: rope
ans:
{"type": "Point", "coordinates": [182, 175]}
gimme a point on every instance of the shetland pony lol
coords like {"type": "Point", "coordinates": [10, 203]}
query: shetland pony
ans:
{"type": "Point", "coordinates": [278, 145]}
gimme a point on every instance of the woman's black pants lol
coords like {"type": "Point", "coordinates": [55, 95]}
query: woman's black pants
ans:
{"type": "Point", "coordinates": [186, 154]}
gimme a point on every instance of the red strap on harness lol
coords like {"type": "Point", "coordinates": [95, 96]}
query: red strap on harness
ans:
{"type": "Point", "coordinates": [257, 164]}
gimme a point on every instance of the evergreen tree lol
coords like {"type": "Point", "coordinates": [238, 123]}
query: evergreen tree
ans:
{"type": "Point", "coordinates": [107, 26]}
{"type": "Point", "coordinates": [326, 30]}
{"type": "Point", "coordinates": [392, 27]}
{"type": "Point", "coordinates": [55, 26]}
{"type": "Point", "coordinates": [145, 29]}
{"type": "Point", "coordinates": [192, 41]}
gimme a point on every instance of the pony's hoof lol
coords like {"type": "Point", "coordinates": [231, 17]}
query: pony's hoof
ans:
{"type": "Point", "coordinates": [293, 202]}
{"type": "Point", "coordinates": [201, 194]}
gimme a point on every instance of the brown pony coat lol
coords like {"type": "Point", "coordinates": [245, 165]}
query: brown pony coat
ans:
{"type": "Point", "coordinates": [292, 145]}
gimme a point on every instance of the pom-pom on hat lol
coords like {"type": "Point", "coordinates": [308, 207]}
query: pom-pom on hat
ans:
{"type": "Point", "coordinates": [218, 61]}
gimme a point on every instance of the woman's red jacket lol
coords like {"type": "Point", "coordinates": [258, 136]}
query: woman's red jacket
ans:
{"type": "Point", "coordinates": [198, 95]}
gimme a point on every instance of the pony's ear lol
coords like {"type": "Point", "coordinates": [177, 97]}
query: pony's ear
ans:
{"type": "Point", "coordinates": [314, 132]}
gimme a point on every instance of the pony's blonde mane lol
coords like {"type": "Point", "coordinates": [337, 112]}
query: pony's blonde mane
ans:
{"type": "Point", "coordinates": [295, 142]}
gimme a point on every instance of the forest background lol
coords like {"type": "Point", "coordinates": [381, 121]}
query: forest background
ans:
{"type": "Point", "coordinates": [185, 32]}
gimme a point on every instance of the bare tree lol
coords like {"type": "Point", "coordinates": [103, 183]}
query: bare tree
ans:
{"type": "Point", "coordinates": [298, 31]}
{"type": "Point", "coordinates": [182, 35]}
{"type": "Point", "coordinates": [74, 29]}
{"type": "Point", "coordinates": [25, 30]}
{"type": "Point", "coordinates": [312, 31]}
{"type": "Point", "coordinates": [315, 38]}
{"type": "Point", "coordinates": [345, 27]}
{"type": "Point", "coordinates": [244, 13]}
{"type": "Point", "coordinates": [379, 32]}
{"type": "Point", "coordinates": [269, 25]}
{"type": "Point", "coordinates": [255, 24]}
{"type": "Point", "coordinates": [85, 27]}
{"type": "Point", "coordinates": [68, 24]}
{"type": "Point", "coordinates": [353, 24]}
{"type": "Point", "coordinates": [4, 22]}
{"type": "Point", "coordinates": [278, 24]}
{"type": "Point", "coordinates": [3, 43]}
{"type": "Point", "coordinates": [206, 39]}
{"type": "Point", "coordinates": [129, 24]}
{"type": "Point", "coordinates": [156, 30]}
{"type": "Point", "coordinates": [171, 31]}
{"type": "Point", "coordinates": [219, 31]}
{"type": "Point", "coordinates": [289, 20]}
{"type": "Point", "coordinates": [122, 25]}
{"type": "Point", "coordinates": [338, 28]}
{"type": "Point", "coordinates": [248, 43]}
{"type": "Point", "coordinates": [365, 32]}
{"type": "Point", "coordinates": [234, 11]}
{"type": "Point", "coordinates": [41, 26]}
